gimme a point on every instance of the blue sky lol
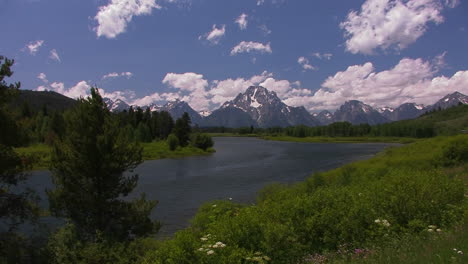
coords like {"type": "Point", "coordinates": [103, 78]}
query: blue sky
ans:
{"type": "Point", "coordinates": [316, 54]}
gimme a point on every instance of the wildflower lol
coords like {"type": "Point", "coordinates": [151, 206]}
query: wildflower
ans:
{"type": "Point", "coordinates": [257, 253]}
{"type": "Point", "coordinates": [222, 245]}
{"type": "Point", "coordinates": [201, 249]}
{"type": "Point", "coordinates": [439, 230]}
{"type": "Point", "coordinates": [432, 227]}
{"type": "Point", "coordinates": [377, 221]}
{"type": "Point", "coordinates": [203, 239]}
{"type": "Point", "coordinates": [214, 205]}
{"type": "Point", "coordinates": [210, 252]}
{"type": "Point", "coordinates": [385, 223]}
{"type": "Point", "coordinates": [215, 246]}
{"type": "Point", "coordinates": [430, 230]}
{"type": "Point", "coordinates": [455, 249]}
{"type": "Point", "coordinates": [230, 198]}
{"type": "Point", "coordinates": [460, 252]}
{"type": "Point", "coordinates": [266, 258]}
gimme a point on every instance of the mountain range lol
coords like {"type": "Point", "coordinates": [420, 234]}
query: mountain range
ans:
{"type": "Point", "coordinates": [259, 107]}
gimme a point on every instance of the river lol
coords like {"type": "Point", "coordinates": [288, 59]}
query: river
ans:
{"type": "Point", "coordinates": [238, 170]}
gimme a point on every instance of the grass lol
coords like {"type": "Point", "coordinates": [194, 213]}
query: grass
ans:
{"type": "Point", "coordinates": [402, 140]}
{"type": "Point", "coordinates": [39, 155]}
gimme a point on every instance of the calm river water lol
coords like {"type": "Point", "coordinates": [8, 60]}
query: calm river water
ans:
{"type": "Point", "coordinates": [238, 170]}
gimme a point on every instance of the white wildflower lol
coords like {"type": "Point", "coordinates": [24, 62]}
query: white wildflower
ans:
{"type": "Point", "coordinates": [430, 230]}
{"type": "Point", "coordinates": [203, 239]}
{"type": "Point", "coordinates": [460, 252]}
{"type": "Point", "coordinates": [214, 205]}
{"type": "Point", "coordinates": [210, 252]}
{"type": "Point", "coordinates": [439, 230]}
{"type": "Point", "coordinates": [377, 221]}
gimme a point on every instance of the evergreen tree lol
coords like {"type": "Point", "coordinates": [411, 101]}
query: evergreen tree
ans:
{"type": "Point", "coordinates": [17, 205]}
{"type": "Point", "coordinates": [182, 129]}
{"type": "Point", "coordinates": [88, 166]}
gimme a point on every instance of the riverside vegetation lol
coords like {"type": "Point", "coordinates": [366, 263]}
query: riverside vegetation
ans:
{"type": "Point", "coordinates": [405, 205]}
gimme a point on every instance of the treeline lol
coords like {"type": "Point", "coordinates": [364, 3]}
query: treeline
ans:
{"type": "Point", "coordinates": [45, 125]}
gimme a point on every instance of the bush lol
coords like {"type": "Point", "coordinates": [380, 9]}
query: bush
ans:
{"type": "Point", "coordinates": [172, 141]}
{"type": "Point", "coordinates": [203, 141]}
{"type": "Point", "coordinates": [455, 152]}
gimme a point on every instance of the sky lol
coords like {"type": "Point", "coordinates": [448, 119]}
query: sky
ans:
{"type": "Point", "coordinates": [317, 54]}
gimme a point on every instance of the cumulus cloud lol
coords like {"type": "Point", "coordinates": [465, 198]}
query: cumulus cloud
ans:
{"type": "Point", "coordinates": [411, 80]}
{"type": "Point", "coordinates": [112, 75]}
{"type": "Point", "coordinates": [54, 55]}
{"type": "Point", "coordinates": [81, 89]}
{"type": "Point", "coordinates": [34, 46]}
{"type": "Point", "coordinates": [114, 17]}
{"type": "Point", "coordinates": [384, 24]}
{"type": "Point", "coordinates": [305, 64]}
{"type": "Point", "coordinates": [191, 86]}
{"type": "Point", "coordinates": [215, 35]}
{"type": "Point", "coordinates": [242, 21]}
{"type": "Point", "coordinates": [250, 46]}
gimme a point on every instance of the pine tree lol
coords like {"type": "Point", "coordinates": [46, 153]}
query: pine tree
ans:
{"type": "Point", "coordinates": [91, 166]}
{"type": "Point", "coordinates": [182, 129]}
{"type": "Point", "coordinates": [17, 205]}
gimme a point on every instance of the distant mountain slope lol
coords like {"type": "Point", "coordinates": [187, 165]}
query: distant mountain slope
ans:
{"type": "Point", "coordinates": [325, 117]}
{"type": "Point", "coordinates": [449, 100]}
{"type": "Point", "coordinates": [404, 111]}
{"type": "Point", "coordinates": [264, 108]}
{"type": "Point", "coordinates": [450, 121]}
{"type": "Point", "coordinates": [229, 117]}
{"type": "Point", "coordinates": [177, 108]}
{"type": "Point", "coordinates": [356, 112]}
{"type": "Point", "coordinates": [37, 100]}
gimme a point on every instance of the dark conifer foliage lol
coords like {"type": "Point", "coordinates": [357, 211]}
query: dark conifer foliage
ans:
{"type": "Point", "coordinates": [88, 165]}
{"type": "Point", "coordinates": [17, 204]}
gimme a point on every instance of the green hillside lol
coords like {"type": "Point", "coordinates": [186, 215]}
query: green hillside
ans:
{"type": "Point", "coordinates": [36, 100]}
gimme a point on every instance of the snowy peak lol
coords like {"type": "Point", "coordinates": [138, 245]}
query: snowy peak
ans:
{"type": "Point", "coordinates": [325, 117]}
{"type": "Point", "coordinates": [450, 100]}
{"type": "Point", "coordinates": [267, 110]}
{"type": "Point", "coordinates": [116, 106]}
{"type": "Point", "coordinates": [356, 112]}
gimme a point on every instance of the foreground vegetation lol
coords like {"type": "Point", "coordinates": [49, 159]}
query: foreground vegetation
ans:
{"type": "Point", "coordinates": [405, 205]}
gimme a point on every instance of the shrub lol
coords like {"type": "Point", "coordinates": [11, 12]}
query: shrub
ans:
{"type": "Point", "coordinates": [172, 141]}
{"type": "Point", "coordinates": [203, 141]}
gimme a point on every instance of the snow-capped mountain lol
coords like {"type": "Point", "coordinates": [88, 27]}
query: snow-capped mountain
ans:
{"type": "Point", "coordinates": [449, 100]}
{"type": "Point", "coordinates": [356, 112]}
{"type": "Point", "coordinates": [116, 106]}
{"type": "Point", "coordinates": [177, 108]}
{"type": "Point", "coordinates": [404, 111]}
{"type": "Point", "coordinates": [325, 117]}
{"type": "Point", "coordinates": [204, 113]}
{"type": "Point", "coordinates": [265, 109]}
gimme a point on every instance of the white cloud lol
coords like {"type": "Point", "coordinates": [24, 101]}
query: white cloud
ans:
{"type": "Point", "coordinates": [250, 46]}
{"type": "Point", "coordinates": [54, 55]}
{"type": "Point", "coordinates": [322, 56]}
{"type": "Point", "coordinates": [42, 76]}
{"type": "Point", "coordinates": [242, 21]}
{"type": "Point", "coordinates": [111, 75]}
{"type": "Point", "coordinates": [81, 89]}
{"type": "Point", "coordinates": [260, 2]}
{"type": "Point", "coordinates": [215, 35]}
{"type": "Point", "coordinates": [34, 46]}
{"type": "Point", "coordinates": [192, 88]}
{"type": "Point", "coordinates": [411, 80]}
{"type": "Point", "coordinates": [113, 18]}
{"type": "Point", "coordinates": [384, 24]}
{"type": "Point", "coordinates": [304, 62]}
{"type": "Point", "coordinates": [227, 89]}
